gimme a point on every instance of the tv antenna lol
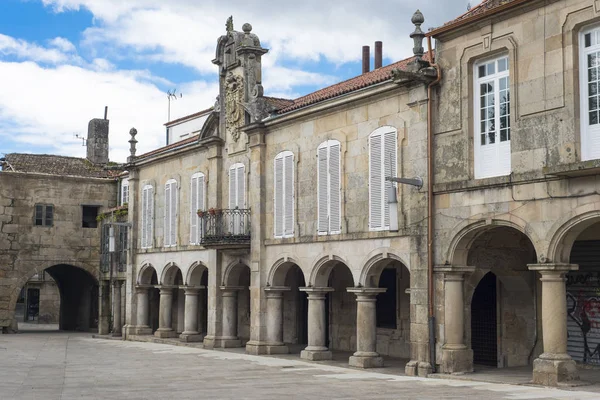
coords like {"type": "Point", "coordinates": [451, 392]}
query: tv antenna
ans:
{"type": "Point", "coordinates": [80, 137]}
{"type": "Point", "coordinates": [172, 95]}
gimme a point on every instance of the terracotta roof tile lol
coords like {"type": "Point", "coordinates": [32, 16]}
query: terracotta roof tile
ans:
{"type": "Point", "coordinates": [278, 103]}
{"type": "Point", "coordinates": [55, 165]}
{"type": "Point", "coordinates": [359, 82]}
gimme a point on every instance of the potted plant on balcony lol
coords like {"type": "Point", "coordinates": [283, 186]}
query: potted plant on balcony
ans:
{"type": "Point", "coordinates": [200, 213]}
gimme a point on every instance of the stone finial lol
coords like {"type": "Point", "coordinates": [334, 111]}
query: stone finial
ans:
{"type": "Point", "coordinates": [418, 35]}
{"type": "Point", "coordinates": [247, 28]}
{"type": "Point", "coordinates": [229, 24]}
{"type": "Point", "coordinates": [132, 143]}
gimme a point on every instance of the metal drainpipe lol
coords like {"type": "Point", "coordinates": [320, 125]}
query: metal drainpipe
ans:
{"type": "Point", "coordinates": [430, 221]}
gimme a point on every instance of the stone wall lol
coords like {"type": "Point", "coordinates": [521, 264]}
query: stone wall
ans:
{"type": "Point", "coordinates": [26, 249]}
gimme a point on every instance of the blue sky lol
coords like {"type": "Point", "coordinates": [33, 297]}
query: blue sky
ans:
{"type": "Point", "coordinates": [62, 61]}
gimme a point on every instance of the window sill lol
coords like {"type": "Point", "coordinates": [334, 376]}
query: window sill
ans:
{"type": "Point", "coordinates": [340, 237]}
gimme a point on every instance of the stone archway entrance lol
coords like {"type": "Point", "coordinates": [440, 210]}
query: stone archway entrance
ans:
{"type": "Point", "coordinates": [77, 305]}
{"type": "Point", "coordinates": [236, 306]}
{"type": "Point", "coordinates": [484, 324]}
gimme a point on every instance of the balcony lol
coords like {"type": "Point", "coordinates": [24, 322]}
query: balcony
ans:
{"type": "Point", "coordinates": [225, 229]}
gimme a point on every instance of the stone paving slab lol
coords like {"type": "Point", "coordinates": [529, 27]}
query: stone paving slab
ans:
{"type": "Point", "coordinates": [75, 366]}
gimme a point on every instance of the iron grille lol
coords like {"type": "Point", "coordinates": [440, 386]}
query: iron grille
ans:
{"type": "Point", "coordinates": [227, 226]}
{"type": "Point", "coordinates": [120, 250]}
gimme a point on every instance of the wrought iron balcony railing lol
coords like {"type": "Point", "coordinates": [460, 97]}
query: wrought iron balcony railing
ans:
{"type": "Point", "coordinates": [225, 228]}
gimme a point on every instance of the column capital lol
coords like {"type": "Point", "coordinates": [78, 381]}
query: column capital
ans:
{"type": "Point", "coordinates": [454, 269]}
{"type": "Point", "coordinates": [316, 290]}
{"type": "Point", "coordinates": [365, 293]}
{"type": "Point", "coordinates": [165, 289]}
{"type": "Point", "coordinates": [142, 288]}
{"type": "Point", "coordinates": [274, 292]}
{"type": "Point", "coordinates": [192, 290]}
{"type": "Point", "coordinates": [553, 268]}
{"type": "Point", "coordinates": [231, 289]}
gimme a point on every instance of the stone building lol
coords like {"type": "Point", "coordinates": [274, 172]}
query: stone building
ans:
{"type": "Point", "coordinates": [48, 210]}
{"type": "Point", "coordinates": [517, 207]}
{"type": "Point", "coordinates": [39, 301]}
{"type": "Point", "coordinates": [270, 228]}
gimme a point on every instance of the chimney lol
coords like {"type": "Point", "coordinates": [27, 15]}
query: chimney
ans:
{"type": "Point", "coordinates": [378, 54]}
{"type": "Point", "coordinates": [97, 141]}
{"type": "Point", "coordinates": [366, 59]}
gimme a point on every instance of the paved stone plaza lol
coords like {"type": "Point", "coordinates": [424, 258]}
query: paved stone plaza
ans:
{"type": "Point", "coordinates": [56, 365]}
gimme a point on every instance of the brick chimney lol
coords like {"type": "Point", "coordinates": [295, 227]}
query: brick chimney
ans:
{"type": "Point", "coordinates": [366, 59]}
{"type": "Point", "coordinates": [378, 54]}
{"type": "Point", "coordinates": [97, 141]}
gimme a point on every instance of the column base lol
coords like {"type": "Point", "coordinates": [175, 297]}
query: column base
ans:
{"type": "Point", "coordinates": [277, 349]}
{"type": "Point", "coordinates": [227, 342]}
{"type": "Point", "coordinates": [165, 333]}
{"type": "Point", "coordinates": [189, 337]}
{"type": "Point", "coordinates": [209, 342]}
{"type": "Point", "coordinates": [365, 360]}
{"type": "Point", "coordinates": [117, 334]}
{"type": "Point", "coordinates": [141, 330]}
{"type": "Point", "coordinates": [418, 368]}
{"type": "Point", "coordinates": [316, 355]}
{"type": "Point", "coordinates": [256, 348]}
{"type": "Point", "coordinates": [554, 370]}
{"type": "Point", "coordinates": [458, 360]}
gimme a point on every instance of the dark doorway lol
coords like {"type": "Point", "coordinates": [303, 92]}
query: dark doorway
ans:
{"type": "Point", "coordinates": [484, 335]}
{"type": "Point", "coordinates": [33, 305]}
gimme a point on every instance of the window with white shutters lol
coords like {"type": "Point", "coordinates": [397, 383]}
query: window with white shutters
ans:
{"type": "Point", "coordinates": [492, 118]}
{"type": "Point", "coordinates": [170, 228]}
{"type": "Point", "coordinates": [589, 81]}
{"type": "Point", "coordinates": [124, 191]}
{"type": "Point", "coordinates": [197, 203]}
{"type": "Point", "coordinates": [284, 195]}
{"type": "Point", "coordinates": [382, 163]}
{"type": "Point", "coordinates": [237, 186]}
{"type": "Point", "coordinates": [147, 216]}
{"type": "Point", "coordinates": [329, 187]}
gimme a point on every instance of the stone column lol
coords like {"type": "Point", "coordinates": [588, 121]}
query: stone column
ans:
{"type": "Point", "coordinates": [456, 356]}
{"type": "Point", "coordinates": [230, 317]}
{"type": "Point", "coordinates": [104, 308]}
{"type": "Point", "coordinates": [190, 333]}
{"type": "Point", "coordinates": [117, 323]}
{"type": "Point", "coordinates": [366, 355]}
{"type": "Point", "coordinates": [275, 320]}
{"type": "Point", "coordinates": [165, 329]}
{"type": "Point", "coordinates": [554, 366]}
{"type": "Point", "coordinates": [316, 349]}
{"type": "Point", "coordinates": [142, 325]}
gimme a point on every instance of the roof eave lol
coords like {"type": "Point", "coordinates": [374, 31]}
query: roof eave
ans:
{"type": "Point", "coordinates": [450, 27]}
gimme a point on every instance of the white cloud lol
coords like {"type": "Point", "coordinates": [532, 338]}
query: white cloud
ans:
{"type": "Point", "coordinates": [63, 45]}
{"type": "Point", "coordinates": [24, 50]}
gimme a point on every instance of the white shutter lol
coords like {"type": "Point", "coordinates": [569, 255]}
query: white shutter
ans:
{"type": "Point", "coordinates": [288, 184]}
{"type": "Point", "coordinates": [241, 187]}
{"type": "Point", "coordinates": [200, 204]}
{"type": "Point", "coordinates": [322, 188]}
{"type": "Point", "coordinates": [193, 209]}
{"type": "Point", "coordinates": [389, 166]}
{"type": "Point", "coordinates": [334, 188]}
{"type": "Point", "coordinates": [279, 197]}
{"type": "Point", "coordinates": [375, 181]}
{"type": "Point", "coordinates": [173, 214]}
{"type": "Point", "coordinates": [167, 224]}
{"type": "Point", "coordinates": [232, 187]}
{"type": "Point", "coordinates": [150, 225]}
{"type": "Point", "coordinates": [144, 215]}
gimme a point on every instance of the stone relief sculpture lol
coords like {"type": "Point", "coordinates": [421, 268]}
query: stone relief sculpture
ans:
{"type": "Point", "coordinates": [234, 97]}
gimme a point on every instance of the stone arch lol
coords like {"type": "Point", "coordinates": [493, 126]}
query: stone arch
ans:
{"type": "Point", "coordinates": [566, 230]}
{"type": "Point", "coordinates": [467, 232]}
{"type": "Point", "coordinates": [195, 272]}
{"type": "Point", "coordinates": [320, 273]}
{"type": "Point", "coordinates": [280, 269]}
{"type": "Point", "coordinates": [231, 274]}
{"type": "Point", "coordinates": [145, 274]}
{"type": "Point", "coordinates": [169, 274]}
{"type": "Point", "coordinates": [376, 261]}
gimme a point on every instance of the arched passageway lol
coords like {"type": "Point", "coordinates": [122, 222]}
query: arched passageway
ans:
{"type": "Point", "coordinates": [236, 306]}
{"type": "Point", "coordinates": [148, 301]}
{"type": "Point", "coordinates": [195, 313]}
{"type": "Point", "coordinates": [502, 323]}
{"type": "Point", "coordinates": [62, 294]}
{"type": "Point", "coordinates": [583, 298]}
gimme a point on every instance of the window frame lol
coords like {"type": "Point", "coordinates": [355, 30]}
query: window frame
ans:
{"type": "Point", "coordinates": [495, 77]}
{"type": "Point", "coordinates": [173, 219]}
{"type": "Point", "coordinates": [124, 199]}
{"type": "Point", "coordinates": [44, 218]}
{"type": "Point", "coordinates": [194, 207]}
{"type": "Point", "coordinates": [585, 128]}
{"type": "Point", "coordinates": [235, 167]}
{"type": "Point", "coordinates": [282, 156]}
{"type": "Point", "coordinates": [328, 144]}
